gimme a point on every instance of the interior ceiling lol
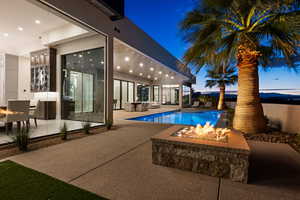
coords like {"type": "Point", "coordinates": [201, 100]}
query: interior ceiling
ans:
{"type": "Point", "coordinates": [20, 13]}
{"type": "Point", "coordinates": [133, 67]}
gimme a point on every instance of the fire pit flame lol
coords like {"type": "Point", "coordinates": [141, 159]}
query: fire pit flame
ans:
{"type": "Point", "coordinates": [207, 131]}
{"type": "Point", "coordinates": [6, 112]}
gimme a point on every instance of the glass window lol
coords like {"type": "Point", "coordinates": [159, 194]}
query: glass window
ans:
{"type": "Point", "coordinates": [170, 95]}
{"type": "Point", "coordinates": [156, 94]}
{"type": "Point", "coordinates": [80, 99]}
{"type": "Point", "coordinates": [117, 94]}
{"type": "Point", "coordinates": [130, 92]}
{"type": "Point", "coordinates": [186, 95]}
{"type": "Point", "coordinates": [124, 92]}
{"type": "Point", "coordinates": [56, 65]}
{"type": "Point", "coordinates": [143, 93]}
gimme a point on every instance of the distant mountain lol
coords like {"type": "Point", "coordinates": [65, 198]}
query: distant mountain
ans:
{"type": "Point", "coordinates": [266, 97]}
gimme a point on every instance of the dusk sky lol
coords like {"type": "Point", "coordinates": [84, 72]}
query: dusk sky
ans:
{"type": "Point", "coordinates": [160, 19]}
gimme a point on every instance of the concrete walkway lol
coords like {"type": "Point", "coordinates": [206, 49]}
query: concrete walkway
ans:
{"type": "Point", "coordinates": [117, 165]}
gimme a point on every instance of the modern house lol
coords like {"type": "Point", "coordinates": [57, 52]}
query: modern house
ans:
{"type": "Point", "coordinates": [78, 60]}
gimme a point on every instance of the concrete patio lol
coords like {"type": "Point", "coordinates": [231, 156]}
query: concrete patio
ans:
{"type": "Point", "coordinates": [118, 165]}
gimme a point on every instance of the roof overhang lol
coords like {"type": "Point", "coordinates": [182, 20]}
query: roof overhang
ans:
{"type": "Point", "coordinates": [113, 9]}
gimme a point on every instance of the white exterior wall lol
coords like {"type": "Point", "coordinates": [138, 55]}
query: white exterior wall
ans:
{"type": "Point", "coordinates": [288, 115]}
{"type": "Point", "coordinates": [11, 82]}
{"type": "Point", "coordinates": [24, 75]}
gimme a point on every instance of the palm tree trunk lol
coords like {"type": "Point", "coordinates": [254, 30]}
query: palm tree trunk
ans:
{"type": "Point", "coordinates": [221, 98]}
{"type": "Point", "coordinates": [249, 115]}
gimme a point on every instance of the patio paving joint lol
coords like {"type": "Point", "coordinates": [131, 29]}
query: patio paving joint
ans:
{"type": "Point", "coordinates": [107, 162]}
{"type": "Point", "coordinates": [219, 187]}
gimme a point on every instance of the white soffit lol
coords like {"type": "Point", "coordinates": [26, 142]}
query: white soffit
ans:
{"type": "Point", "coordinates": [24, 27]}
{"type": "Point", "coordinates": [150, 69]}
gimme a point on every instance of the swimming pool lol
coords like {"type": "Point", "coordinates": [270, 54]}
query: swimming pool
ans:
{"type": "Point", "coordinates": [183, 118]}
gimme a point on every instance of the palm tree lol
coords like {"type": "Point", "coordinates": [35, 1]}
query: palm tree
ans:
{"type": "Point", "coordinates": [221, 77]}
{"type": "Point", "coordinates": [249, 33]}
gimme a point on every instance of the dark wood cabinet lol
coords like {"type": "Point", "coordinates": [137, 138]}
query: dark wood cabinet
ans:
{"type": "Point", "coordinates": [43, 70]}
{"type": "Point", "coordinates": [47, 110]}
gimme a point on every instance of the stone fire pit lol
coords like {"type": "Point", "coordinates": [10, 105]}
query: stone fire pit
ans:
{"type": "Point", "coordinates": [228, 159]}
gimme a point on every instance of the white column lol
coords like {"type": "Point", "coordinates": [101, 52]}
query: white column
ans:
{"type": "Point", "coordinates": [109, 80]}
{"type": "Point", "coordinates": [161, 94]}
{"type": "Point", "coordinates": [191, 93]}
{"type": "Point", "coordinates": [135, 91]}
{"type": "Point", "coordinates": [180, 95]}
{"type": "Point", "coordinates": [151, 93]}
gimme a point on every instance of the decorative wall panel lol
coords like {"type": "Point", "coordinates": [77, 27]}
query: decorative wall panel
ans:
{"type": "Point", "coordinates": [43, 71]}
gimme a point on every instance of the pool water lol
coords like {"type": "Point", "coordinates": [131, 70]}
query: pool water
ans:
{"type": "Point", "coordinates": [183, 118]}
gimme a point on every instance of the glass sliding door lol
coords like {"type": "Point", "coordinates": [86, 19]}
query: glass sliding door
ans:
{"type": "Point", "coordinates": [186, 95]}
{"type": "Point", "coordinates": [87, 91]}
{"type": "Point", "coordinates": [75, 90]}
{"type": "Point", "coordinates": [156, 95]}
{"type": "Point", "coordinates": [130, 92]}
{"type": "Point", "coordinates": [143, 93]}
{"type": "Point", "coordinates": [81, 90]}
{"type": "Point", "coordinates": [117, 94]}
{"type": "Point", "coordinates": [83, 86]}
{"type": "Point", "coordinates": [123, 92]}
{"type": "Point", "coordinates": [170, 95]}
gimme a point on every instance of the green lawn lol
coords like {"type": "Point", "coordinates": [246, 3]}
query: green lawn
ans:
{"type": "Point", "coordinates": [20, 183]}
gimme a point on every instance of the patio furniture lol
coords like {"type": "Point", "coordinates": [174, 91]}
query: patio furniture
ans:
{"type": "Point", "coordinates": [115, 102]}
{"type": "Point", "coordinates": [34, 113]}
{"type": "Point", "coordinates": [142, 107]}
{"type": "Point", "coordinates": [17, 111]}
{"type": "Point", "coordinates": [154, 105]}
{"type": "Point", "coordinates": [208, 105]}
{"type": "Point", "coordinates": [129, 107]}
{"type": "Point", "coordinates": [196, 104]}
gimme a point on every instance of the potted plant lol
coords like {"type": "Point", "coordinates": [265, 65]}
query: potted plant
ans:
{"type": "Point", "coordinates": [109, 124]}
{"type": "Point", "coordinates": [64, 132]}
{"type": "Point", "coordinates": [86, 127]}
{"type": "Point", "coordinates": [22, 138]}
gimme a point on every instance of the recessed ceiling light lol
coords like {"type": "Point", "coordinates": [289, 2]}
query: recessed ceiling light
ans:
{"type": "Point", "coordinates": [130, 71]}
{"type": "Point", "coordinates": [127, 59]}
{"type": "Point", "coordinates": [167, 75]}
{"type": "Point", "coordinates": [102, 62]}
{"type": "Point", "coordinates": [20, 28]}
{"type": "Point", "coordinates": [148, 76]}
{"type": "Point", "coordinates": [160, 72]}
{"type": "Point", "coordinates": [5, 34]}
{"type": "Point", "coordinates": [141, 64]}
{"type": "Point", "coordinates": [80, 56]}
{"type": "Point", "coordinates": [151, 69]}
{"type": "Point", "coordinates": [118, 67]}
{"type": "Point", "coordinates": [172, 77]}
{"type": "Point", "coordinates": [141, 74]}
{"type": "Point", "coordinates": [155, 78]}
{"type": "Point", "coordinates": [37, 21]}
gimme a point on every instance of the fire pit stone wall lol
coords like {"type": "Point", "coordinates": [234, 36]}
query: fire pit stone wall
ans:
{"type": "Point", "coordinates": [226, 160]}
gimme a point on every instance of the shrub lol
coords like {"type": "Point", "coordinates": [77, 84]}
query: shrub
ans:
{"type": "Point", "coordinates": [109, 124]}
{"type": "Point", "coordinates": [207, 98]}
{"type": "Point", "coordinates": [64, 132]}
{"type": "Point", "coordinates": [275, 125]}
{"type": "Point", "coordinates": [22, 138]}
{"type": "Point", "coordinates": [86, 127]}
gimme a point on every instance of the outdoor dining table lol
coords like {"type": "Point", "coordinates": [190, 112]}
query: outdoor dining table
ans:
{"type": "Point", "coordinates": [5, 112]}
{"type": "Point", "coordinates": [136, 104]}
